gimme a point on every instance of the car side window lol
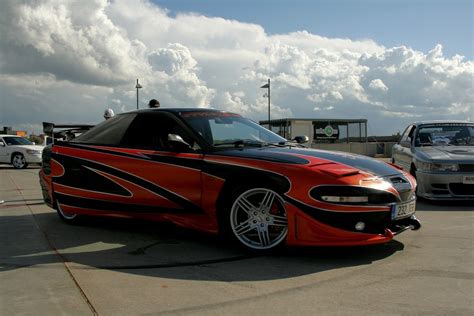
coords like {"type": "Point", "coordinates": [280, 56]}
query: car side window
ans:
{"type": "Point", "coordinates": [407, 135]}
{"type": "Point", "coordinates": [151, 130]}
{"type": "Point", "coordinates": [109, 132]}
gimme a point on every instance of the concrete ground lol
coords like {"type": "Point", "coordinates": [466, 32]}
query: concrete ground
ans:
{"type": "Point", "coordinates": [123, 267]}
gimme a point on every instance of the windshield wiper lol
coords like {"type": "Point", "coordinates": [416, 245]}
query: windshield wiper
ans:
{"type": "Point", "coordinates": [242, 143]}
{"type": "Point", "coordinates": [282, 144]}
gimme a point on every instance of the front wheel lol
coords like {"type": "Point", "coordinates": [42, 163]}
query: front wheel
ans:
{"type": "Point", "coordinates": [19, 161]}
{"type": "Point", "coordinates": [258, 219]}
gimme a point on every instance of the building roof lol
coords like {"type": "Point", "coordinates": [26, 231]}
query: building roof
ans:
{"type": "Point", "coordinates": [283, 120]}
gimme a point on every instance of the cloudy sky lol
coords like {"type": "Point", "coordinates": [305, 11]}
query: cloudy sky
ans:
{"type": "Point", "coordinates": [391, 62]}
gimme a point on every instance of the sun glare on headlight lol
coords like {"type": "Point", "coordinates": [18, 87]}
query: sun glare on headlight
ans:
{"type": "Point", "coordinates": [345, 199]}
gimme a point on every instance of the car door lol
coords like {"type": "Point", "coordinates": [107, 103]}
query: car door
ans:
{"type": "Point", "coordinates": [402, 152]}
{"type": "Point", "coordinates": [126, 166]}
{"type": "Point", "coordinates": [172, 167]}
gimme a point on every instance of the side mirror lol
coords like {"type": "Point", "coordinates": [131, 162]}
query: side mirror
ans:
{"type": "Point", "coordinates": [2, 144]}
{"type": "Point", "coordinates": [33, 143]}
{"type": "Point", "coordinates": [178, 143]}
{"type": "Point", "coordinates": [405, 143]}
{"type": "Point", "coordinates": [301, 139]}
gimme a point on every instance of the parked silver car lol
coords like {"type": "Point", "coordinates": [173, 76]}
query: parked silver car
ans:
{"type": "Point", "coordinates": [440, 154]}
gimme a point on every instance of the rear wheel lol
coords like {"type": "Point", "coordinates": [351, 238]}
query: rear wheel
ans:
{"type": "Point", "coordinates": [69, 218]}
{"type": "Point", "coordinates": [19, 161]}
{"type": "Point", "coordinates": [258, 219]}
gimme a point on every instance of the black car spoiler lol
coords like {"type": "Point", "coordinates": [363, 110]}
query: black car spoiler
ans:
{"type": "Point", "coordinates": [63, 130]}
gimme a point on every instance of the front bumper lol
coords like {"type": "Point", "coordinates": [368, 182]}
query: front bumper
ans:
{"type": "Point", "coordinates": [400, 226]}
{"type": "Point", "coordinates": [444, 186]}
{"type": "Point", "coordinates": [304, 230]}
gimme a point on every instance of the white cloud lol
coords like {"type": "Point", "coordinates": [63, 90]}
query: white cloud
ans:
{"type": "Point", "coordinates": [82, 57]}
{"type": "Point", "coordinates": [72, 40]}
{"type": "Point", "coordinates": [378, 84]}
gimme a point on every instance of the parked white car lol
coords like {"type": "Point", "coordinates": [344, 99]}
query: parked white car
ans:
{"type": "Point", "coordinates": [19, 151]}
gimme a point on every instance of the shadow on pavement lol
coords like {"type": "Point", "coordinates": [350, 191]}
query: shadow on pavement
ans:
{"type": "Point", "coordinates": [444, 206]}
{"type": "Point", "coordinates": [6, 167]}
{"type": "Point", "coordinates": [163, 250]}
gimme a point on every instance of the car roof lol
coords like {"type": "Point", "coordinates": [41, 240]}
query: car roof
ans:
{"type": "Point", "coordinates": [2, 135]}
{"type": "Point", "coordinates": [177, 110]}
{"type": "Point", "coordinates": [443, 122]}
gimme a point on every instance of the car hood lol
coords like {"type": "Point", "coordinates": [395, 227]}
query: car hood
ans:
{"type": "Point", "coordinates": [448, 153]}
{"type": "Point", "coordinates": [298, 156]}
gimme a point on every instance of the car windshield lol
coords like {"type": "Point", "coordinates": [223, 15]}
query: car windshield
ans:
{"type": "Point", "coordinates": [445, 135]}
{"type": "Point", "coordinates": [15, 140]}
{"type": "Point", "coordinates": [224, 130]}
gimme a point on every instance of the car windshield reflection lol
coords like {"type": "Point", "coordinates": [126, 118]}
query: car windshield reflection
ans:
{"type": "Point", "coordinates": [225, 130]}
{"type": "Point", "coordinates": [15, 141]}
{"type": "Point", "coordinates": [445, 135]}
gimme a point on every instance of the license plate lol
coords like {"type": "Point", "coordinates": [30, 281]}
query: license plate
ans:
{"type": "Point", "coordinates": [468, 179]}
{"type": "Point", "coordinates": [403, 210]}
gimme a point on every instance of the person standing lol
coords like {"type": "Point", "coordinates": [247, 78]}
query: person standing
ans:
{"type": "Point", "coordinates": [154, 103]}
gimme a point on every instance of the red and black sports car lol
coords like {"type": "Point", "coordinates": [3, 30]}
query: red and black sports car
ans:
{"type": "Point", "coordinates": [218, 172]}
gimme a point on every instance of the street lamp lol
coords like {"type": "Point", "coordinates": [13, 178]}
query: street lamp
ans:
{"type": "Point", "coordinates": [138, 86]}
{"type": "Point", "coordinates": [267, 86]}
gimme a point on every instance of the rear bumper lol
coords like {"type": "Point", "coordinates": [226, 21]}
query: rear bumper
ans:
{"type": "Point", "coordinates": [45, 183]}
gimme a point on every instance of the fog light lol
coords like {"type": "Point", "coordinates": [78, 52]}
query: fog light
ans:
{"type": "Point", "coordinates": [360, 226]}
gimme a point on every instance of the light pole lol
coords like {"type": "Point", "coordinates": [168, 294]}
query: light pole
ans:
{"type": "Point", "coordinates": [138, 86]}
{"type": "Point", "coordinates": [267, 85]}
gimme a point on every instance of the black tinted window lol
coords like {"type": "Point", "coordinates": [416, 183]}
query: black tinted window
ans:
{"type": "Point", "coordinates": [109, 132]}
{"type": "Point", "coordinates": [11, 141]}
{"type": "Point", "coordinates": [150, 131]}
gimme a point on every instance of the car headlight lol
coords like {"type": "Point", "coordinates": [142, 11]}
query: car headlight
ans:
{"type": "Point", "coordinates": [427, 166]}
{"type": "Point", "coordinates": [351, 195]}
{"type": "Point", "coordinates": [33, 152]}
{"type": "Point", "coordinates": [345, 199]}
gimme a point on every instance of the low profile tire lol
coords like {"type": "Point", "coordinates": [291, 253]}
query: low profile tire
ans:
{"type": "Point", "coordinates": [19, 161]}
{"type": "Point", "coordinates": [258, 220]}
{"type": "Point", "coordinates": [413, 171]}
{"type": "Point", "coordinates": [68, 218]}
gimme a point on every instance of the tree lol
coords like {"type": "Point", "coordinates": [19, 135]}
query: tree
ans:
{"type": "Point", "coordinates": [35, 139]}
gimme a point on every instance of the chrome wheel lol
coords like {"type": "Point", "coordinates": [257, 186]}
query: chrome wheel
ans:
{"type": "Point", "coordinates": [18, 161]}
{"type": "Point", "coordinates": [258, 219]}
{"type": "Point", "coordinates": [65, 216]}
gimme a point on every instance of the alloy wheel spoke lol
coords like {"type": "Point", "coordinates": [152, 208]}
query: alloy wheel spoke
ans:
{"type": "Point", "coordinates": [277, 220]}
{"type": "Point", "coordinates": [267, 201]}
{"type": "Point", "coordinates": [263, 235]}
{"type": "Point", "coordinates": [244, 227]}
{"type": "Point", "coordinates": [245, 205]}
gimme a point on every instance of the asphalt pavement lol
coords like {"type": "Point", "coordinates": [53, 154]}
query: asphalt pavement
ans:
{"type": "Point", "coordinates": [131, 267]}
